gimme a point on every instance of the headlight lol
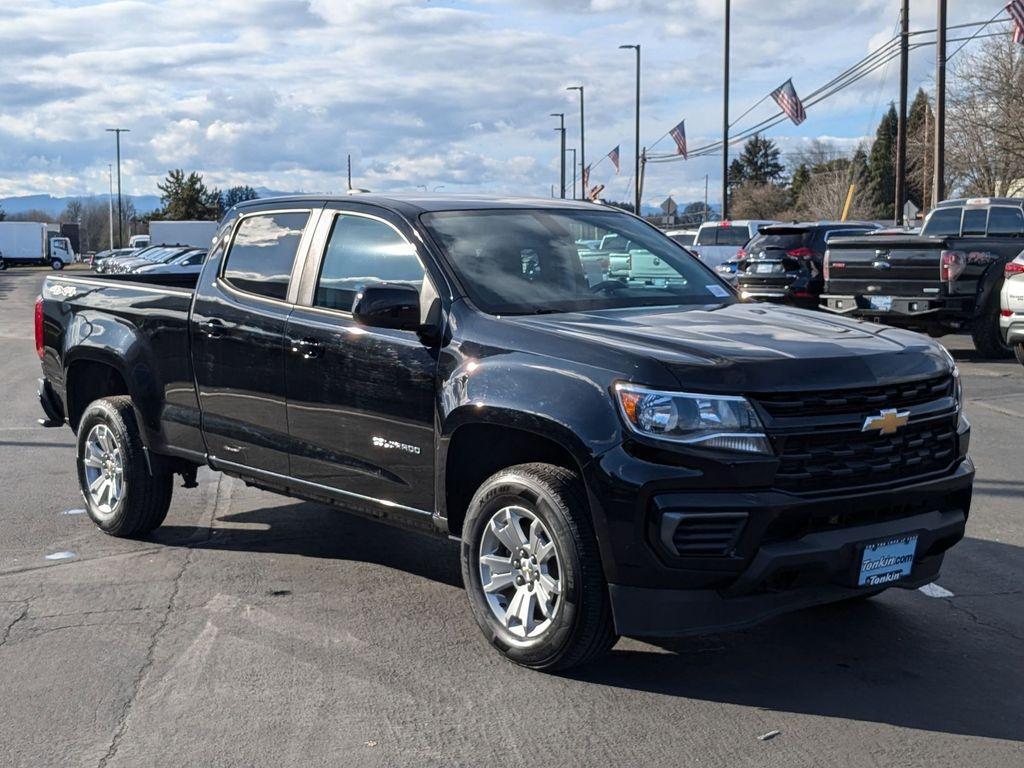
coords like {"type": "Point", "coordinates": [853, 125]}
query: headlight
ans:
{"type": "Point", "coordinates": [724, 422]}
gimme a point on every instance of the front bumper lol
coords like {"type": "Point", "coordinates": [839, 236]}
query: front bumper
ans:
{"type": "Point", "coordinates": [828, 559]}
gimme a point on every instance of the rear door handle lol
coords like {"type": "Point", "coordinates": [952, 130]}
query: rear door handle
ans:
{"type": "Point", "coordinates": [308, 348]}
{"type": "Point", "coordinates": [213, 329]}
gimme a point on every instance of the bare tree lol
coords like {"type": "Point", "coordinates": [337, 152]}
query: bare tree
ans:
{"type": "Point", "coordinates": [826, 173]}
{"type": "Point", "coordinates": [985, 129]}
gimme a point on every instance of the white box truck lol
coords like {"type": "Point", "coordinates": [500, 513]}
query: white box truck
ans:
{"type": "Point", "coordinates": [198, 234]}
{"type": "Point", "coordinates": [34, 242]}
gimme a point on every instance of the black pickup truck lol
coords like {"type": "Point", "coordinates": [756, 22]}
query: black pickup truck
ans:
{"type": "Point", "coordinates": [945, 280]}
{"type": "Point", "coordinates": [629, 455]}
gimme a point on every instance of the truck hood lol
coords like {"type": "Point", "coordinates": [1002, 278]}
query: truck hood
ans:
{"type": "Point", "coordinates": [754, 347]}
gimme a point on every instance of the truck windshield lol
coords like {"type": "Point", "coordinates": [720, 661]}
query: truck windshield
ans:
{"type": "Point", "coordinates": [521, 261]}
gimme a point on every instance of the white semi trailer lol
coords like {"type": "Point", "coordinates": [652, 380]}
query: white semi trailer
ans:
{"type": "Point", "coordinates": [34, 242]}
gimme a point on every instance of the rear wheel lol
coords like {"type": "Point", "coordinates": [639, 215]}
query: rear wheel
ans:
{"type": "Point", "coordinates": [988, 336]}
{"type": "Point", "coordinates": [121, 495]}
{"type": "Point", "coordinates": [1018, 351]}
{"type": "Point", "coordinates": [532, 570]}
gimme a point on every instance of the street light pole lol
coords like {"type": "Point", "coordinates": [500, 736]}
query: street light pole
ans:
{"type": "Point", "coordinates": [573, 150]}
{"type": "Point", "coordinates": [561, 155]}
{"type": "Point", "coordinates": [583, 143]}
{"type": "Point", "coordinates": [725, 120]}
{"type": "Point", "coordinates": [901, 132]}
{"type": "Point", "coordinates": [120, 216]}
{"type": "Point", "coordinates": [110, 203]}
{"type": "Point", "coordinates": [636, 146]}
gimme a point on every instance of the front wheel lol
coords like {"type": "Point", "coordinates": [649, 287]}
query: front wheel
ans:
{"type": "Point", "coordinates": [121, 495]}
{"type": "Point", "coordinates": [532, 570]}
{"type": "Point", "coordinates": [56, 265]}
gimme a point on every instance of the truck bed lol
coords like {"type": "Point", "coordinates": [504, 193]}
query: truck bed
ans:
{"type": "Point", "coordinates": [138, 325]}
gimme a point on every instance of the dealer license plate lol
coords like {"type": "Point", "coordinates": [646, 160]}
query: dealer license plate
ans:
{"type": "Point", "coordinates": [882, 303]}
{"type": "Point", "coordinates": [887, 561]}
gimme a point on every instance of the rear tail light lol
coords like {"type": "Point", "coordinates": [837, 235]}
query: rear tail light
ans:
{"type": "Point", "coordinates": [951, 265]}
{"type": "Point", "coordinates": [39, 327]}
{"type": "Point", "coordinates": [1006, 312]}
{"type": "Point", "coordinates": [800, 253]}
{"type": "Point", "coordinates": [1014, 268]}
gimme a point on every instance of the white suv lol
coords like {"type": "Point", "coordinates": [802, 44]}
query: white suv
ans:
{"type": "Point", "coordinates": [1011, 317]}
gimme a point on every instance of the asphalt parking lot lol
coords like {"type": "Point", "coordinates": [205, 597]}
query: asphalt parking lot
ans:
{"type": "Point", "coordinates": [252, 629]}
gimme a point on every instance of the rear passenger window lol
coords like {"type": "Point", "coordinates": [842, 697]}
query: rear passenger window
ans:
{"type": "Point", "coordinates": [261, 255]}
{"type": "Point", "coordinates": [1005, 220]}
{"type": "Point", "coordinates": [361, 251]}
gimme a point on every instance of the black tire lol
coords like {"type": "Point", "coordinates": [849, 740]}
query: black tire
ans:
{"type": "Point", "coordinates": [582, 628]}
{"type": "Point", "coordinates": [56, 265]}
{"type": "Point", "coordinates": [1018, 351]}
{"type": "Point", "coordinates": [988, 336]}
{"type": "Point", "coordinates": [145, 497]}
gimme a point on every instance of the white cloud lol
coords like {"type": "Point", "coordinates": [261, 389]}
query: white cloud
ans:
{"type": "Point", "coordinates": [277, 92]}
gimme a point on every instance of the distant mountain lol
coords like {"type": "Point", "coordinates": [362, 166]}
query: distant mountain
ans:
{"type": "Point", "coordinates": [54, 206]}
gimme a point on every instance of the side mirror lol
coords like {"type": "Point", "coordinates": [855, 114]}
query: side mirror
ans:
{"type": "Point", "coordinates": [388, 306]}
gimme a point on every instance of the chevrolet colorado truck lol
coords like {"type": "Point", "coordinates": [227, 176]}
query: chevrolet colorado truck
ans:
{"type": "Point", "coordinates": [616, 456]}
{"type": "Point", "coordinates": [948, 279]}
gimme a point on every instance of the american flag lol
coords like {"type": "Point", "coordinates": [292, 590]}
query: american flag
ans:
{"type": "Point", "coordinates": [614, 155]}
{"type": "Point", "coordinates": [785, 96]}
{"type": "Point", "coordinates": [678, 135]}
{"type": "Point", "coordinates": [1016, 11]}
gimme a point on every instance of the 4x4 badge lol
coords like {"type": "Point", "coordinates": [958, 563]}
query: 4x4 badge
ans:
{"type": "Point", "coordinates": [886, 422]}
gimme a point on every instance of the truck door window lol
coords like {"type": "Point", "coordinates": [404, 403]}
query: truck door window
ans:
{"type": "Point", "coordinates": [1005, 221]}
{"type": "Point", "coordinates": [261, 255]}
{"type": "Point", "coordinates": [943, 222]}
{"type": "Point", "coordinates": [359, 251]}
{"type": "Point", "coordinates": [975, 222]}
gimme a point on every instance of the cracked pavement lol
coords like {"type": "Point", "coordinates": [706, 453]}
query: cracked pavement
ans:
{"type": "Point", "coordinates": [252, 629]}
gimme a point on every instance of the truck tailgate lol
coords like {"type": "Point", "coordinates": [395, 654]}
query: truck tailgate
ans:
{"type": "Point", "coordinates": [899, 266]}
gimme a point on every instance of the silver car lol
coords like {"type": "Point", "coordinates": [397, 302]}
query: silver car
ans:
{"type": "Point", "coordinates": [1011, 316]}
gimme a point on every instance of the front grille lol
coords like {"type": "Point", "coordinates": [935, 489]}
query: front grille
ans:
{"type": "Point", "coordinates": [703, 534]}
{"type": "Point", "coordinates": [822, 460]}
{"type": "Point", "coordinates": [867, 399]}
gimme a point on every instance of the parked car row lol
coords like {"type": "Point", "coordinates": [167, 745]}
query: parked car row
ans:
{"type": "Point", "coordinates": [157, 259]}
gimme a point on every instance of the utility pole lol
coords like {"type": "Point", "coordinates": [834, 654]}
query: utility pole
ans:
{"type": "Point", "coordinates": [725, 120]}
{"type": "Point", "coordinates": [640, 180]}
{"type": "Point", "coordinates": [939, 186]}
{"type": "Point", "coordinates": [583, 143]}
{"type": "Point", "coordinates": [120, 215]}
{"type": "Point", "coordinates": [901, 129]}
{"type": "Point", "coordinates": [110, 203]}
{"type": "Point", "coordinates": [350, 171]}
{"type": "Point", "coordinates": [636, 145]}
{"type": "Point", "coordinates": [561, 155]}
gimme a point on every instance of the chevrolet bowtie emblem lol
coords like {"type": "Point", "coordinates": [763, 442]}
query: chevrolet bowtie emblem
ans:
{"type": "Point", "coordinates": [887, 422]}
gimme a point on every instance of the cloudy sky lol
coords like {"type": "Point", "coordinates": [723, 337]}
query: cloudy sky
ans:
{"type": "Point", "coordinates": [452, 93]}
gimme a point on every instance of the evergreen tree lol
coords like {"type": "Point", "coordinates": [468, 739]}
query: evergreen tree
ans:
{"type": "Point", "coordinates": [238, 194]}
{"type": "Point", "coordinates": [187, 198]}
{"type": "Point", "coordinates": [801, 175]}
{"type": "Point", "coordinates": [920, 140]}
{"type": "Point", "coordinates": [882, 166]}
{"type": "Point", "coordinates": [758, 162]}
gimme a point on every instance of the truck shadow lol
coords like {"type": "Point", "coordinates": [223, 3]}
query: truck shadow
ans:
{"type": "Point", "coordinates": [945, 665]}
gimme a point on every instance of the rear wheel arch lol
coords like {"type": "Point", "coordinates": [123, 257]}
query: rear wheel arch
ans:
{"type": "Point", "coordinates": [89, 379]}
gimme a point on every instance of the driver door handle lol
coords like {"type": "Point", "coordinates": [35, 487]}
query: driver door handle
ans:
{"type": "Point", "coordinates": [213, 329]}
{"type": "Point", "coordinates": [310, 349]}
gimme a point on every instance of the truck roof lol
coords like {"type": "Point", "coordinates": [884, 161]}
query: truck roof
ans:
{"type": "Point", "coordinates": [980, 201]}
{"type": "Point", "coordinates": [416, 204]}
